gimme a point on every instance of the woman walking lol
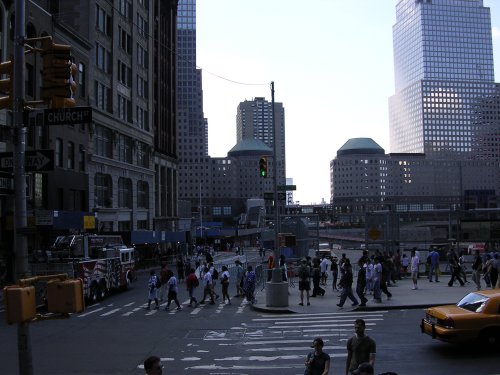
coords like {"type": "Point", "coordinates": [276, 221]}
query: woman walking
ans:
{"type": "Point", "coordinates": [225, 285]}
{"type": "Point", "coordinates": [249, 285]}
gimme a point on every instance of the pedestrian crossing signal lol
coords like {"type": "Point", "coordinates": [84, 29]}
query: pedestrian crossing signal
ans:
{"type": "Point", "coordinates": [263, 167]}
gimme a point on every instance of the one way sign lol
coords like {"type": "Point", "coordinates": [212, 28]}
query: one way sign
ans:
{"type": "Point", "coordinates": [35, 161]}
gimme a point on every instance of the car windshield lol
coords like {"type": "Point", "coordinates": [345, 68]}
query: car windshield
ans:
{"type": "Point", "coordinates": [473, 302]}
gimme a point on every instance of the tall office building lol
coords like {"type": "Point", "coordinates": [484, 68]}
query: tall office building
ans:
{"type": "Point", "coordinates": [192, 127]}
{"type": "Point", "coordinates": [443, 61]}
{"type": "Point", "coordinates": [254, 120]}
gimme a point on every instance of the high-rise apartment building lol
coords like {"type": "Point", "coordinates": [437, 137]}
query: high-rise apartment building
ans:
{"type": "Point", "coordinates": [443, 61]}
{"type": "Point", "coordinates": [192, 127]}
{"type": "Point", "coordinates": [254, 120]}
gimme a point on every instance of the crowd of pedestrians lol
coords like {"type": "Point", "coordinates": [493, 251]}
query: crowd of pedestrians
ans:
{"type": "Point", "coordinates": [375, 274]}
{"type": "Point", "coordinates": [166, 284]}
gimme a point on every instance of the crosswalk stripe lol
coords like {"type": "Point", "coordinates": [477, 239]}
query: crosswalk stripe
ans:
{"type": "Point", "coordinates": [327, 321]}
{"type": "Point", "coordinates": [312, 318]}
{"type": "Point", "coordinates": [355, 313]}
{"type": "Point", "coordinates": [111, 312]}
{"type": "Point", "coordinates": [90, 312]}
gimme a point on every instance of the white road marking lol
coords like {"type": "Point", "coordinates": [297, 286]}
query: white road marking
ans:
{"type": "Point", "coordinates": [91, 312]}
{"type": "Point", "coordinates": [128, 304]}
{"type": "Point", "coordinates": [111, 312]}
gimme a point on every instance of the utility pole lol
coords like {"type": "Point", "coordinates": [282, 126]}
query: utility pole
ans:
{"type": "Point", "coordinates": [20, 241]}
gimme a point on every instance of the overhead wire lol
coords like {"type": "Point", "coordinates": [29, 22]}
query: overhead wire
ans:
{"type": "Point", "coordinates": [180, 55]}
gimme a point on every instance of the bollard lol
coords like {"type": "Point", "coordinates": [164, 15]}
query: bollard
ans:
{"type": "Point", "coordinates": [276, 290]}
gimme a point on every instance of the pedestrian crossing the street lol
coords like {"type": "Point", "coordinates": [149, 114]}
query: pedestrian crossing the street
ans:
{"type": "Point", "coordinates": [131, 309]}
{"type": "Point", "coordinates": [269, 343]}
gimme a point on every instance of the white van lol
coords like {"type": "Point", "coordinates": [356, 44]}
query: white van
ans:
{"type": "Point", "coordinates": [324, 249]}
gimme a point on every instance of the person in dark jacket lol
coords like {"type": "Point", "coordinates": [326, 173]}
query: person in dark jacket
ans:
{"type": "Point", "coordinates": [477, 266]}
{"type": "Point", "coordinates": [346, 284]}
{"type": "Point", "coordinates": [361, 282]}
{"type": "Point", "coordinates": [316, 276]}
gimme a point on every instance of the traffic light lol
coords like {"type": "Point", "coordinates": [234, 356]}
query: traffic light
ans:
{"type": "Point", "coordinates": [65, 296]}
{"type": "Point", "coordinates": [58, 75]}
{"type": "Point", "coordinates": [6, 84]}
{"type": "Point", "coordinates": [263, 166]}
{"type": "Point", "coordinates": [20, 303]}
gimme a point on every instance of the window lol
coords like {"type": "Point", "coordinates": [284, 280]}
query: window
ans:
{"type": "Point", "coordinates": [125, 40]}
{"type": "Point", "coordinates": [58, 153]}
{"type": "Point", "coordinates": [124, 74]}
{"type": "Point", "coordinates": [30, 80]}
{"type": "Point", "coordinates": [142, 56]}
{"type": "Point", "coordinates": [71, 156]}
{"type": "Point", "coordinates": [124, 109]}
{"type": "Point", "coordinates": [103, 190]}
{"type": "Point", "coordinates": [103, 145]}
{"type": "Point", "coordinates": [81, 159]}
{"type": "Point", "coordinates": [144, 3]}
{"type": "Point", "coordinates": [142, 155]}
{"type": "Point", "coordinates": [102, 96]}
{"type": "Point", "coordinates": [81, 79]}
{"type": "Point", "coordinates": [124, 192]}
{"type": "Point", "coordinates": [142, 87]}
{"type": "Point", "coordinates": [103, 21]}
{"type": "Point", "coordinates": [124, 8]}
{"type": "Point", "coordinates": [142, 26]}
{"type": "Point", "coordinates": [103, 58]}
{"type": "Point", "coordinates": [142, 118]}
{"type": "Point", "coordinates": [125, 148]}
{"type": "Point", "coordinates": [142, 194]}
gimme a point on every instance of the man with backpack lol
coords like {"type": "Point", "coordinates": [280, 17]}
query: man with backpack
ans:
{"type": "Point", "coordinates": [304, 281]}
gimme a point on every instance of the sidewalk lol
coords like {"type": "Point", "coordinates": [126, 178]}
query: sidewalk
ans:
{"type": "Point", "coordinates": [403, 297]}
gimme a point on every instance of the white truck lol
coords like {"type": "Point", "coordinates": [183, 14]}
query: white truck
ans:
{"type": "Point", "coordinates": [103, 262]}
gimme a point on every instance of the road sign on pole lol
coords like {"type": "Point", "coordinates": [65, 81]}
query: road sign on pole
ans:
{"type": "Point", "coordinates": [34, 161]}
{"type": "Point", "coordinates": [287, 187]}
{"type": "Point", "coordinates": [67, 116]}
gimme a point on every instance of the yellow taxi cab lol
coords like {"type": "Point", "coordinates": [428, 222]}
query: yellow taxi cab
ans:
{"type": "Point", "coordinates": [475, 317]}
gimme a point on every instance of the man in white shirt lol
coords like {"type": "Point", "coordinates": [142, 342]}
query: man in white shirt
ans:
{"type": "Point", "coordinates": [207, 287]}
{"type": "Point", "coordinates": [172, 292]}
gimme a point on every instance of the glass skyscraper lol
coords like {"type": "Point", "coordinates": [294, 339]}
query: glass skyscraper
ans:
{"type": "Point", "coordinates": [192, 126]}
{"type": "Point", "coordinates": [443, 62]}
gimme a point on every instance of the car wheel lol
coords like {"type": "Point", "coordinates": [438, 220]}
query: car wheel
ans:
{"type": "Point", "coordinates": [490, 337]}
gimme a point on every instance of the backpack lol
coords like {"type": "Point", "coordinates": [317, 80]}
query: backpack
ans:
{"type": "Point", "coordinates": [304, 272]}
{"type": "Point", "coordinates": [158, 283]}
{"type": "Point", "coordinates": [215, 275]}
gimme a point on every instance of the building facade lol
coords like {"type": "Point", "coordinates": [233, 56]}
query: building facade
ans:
{"type": "Point", "coordinates": [254, 120]}
{"type": "Point", "coordinates": [364, 178]}
{"type": "Point", "coordinates": [195, 179]}
{"type": "Point", "coordinates": [443, 62]}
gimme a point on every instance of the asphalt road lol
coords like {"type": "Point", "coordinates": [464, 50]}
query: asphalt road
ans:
{"type": "Point", "coordinates": [115, 336]}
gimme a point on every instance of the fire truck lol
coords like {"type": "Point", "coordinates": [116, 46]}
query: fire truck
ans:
{"type": "Point", "coordinates": [103, 262]}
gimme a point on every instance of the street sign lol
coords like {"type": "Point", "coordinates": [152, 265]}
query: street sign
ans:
{"type": "Point", "coordinates": [270, 196]}
{"type": "Point", "coordinates": [287, 187]}
{"type": "Point", "coordinates": [34, 161]}
{"type": "Point", "coordinates": [67, 116]}
{"type": "Point", "coordinates": [6, 183]}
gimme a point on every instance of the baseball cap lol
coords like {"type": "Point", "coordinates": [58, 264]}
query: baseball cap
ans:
{"type": "Point", "coordinates": [363, 368]}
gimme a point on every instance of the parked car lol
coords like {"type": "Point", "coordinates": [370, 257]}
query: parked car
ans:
{"type": "Point", "coordinates": [475, 317]}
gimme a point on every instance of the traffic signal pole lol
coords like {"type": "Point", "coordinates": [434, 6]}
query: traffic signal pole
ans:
{"type": "Point", "coordinates": [20, 215]}
{"type": "Point", "coordinates": [276, 289]}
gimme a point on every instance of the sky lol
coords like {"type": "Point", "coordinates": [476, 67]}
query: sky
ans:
{"type": "Point", "coordinates": [332, 66]}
